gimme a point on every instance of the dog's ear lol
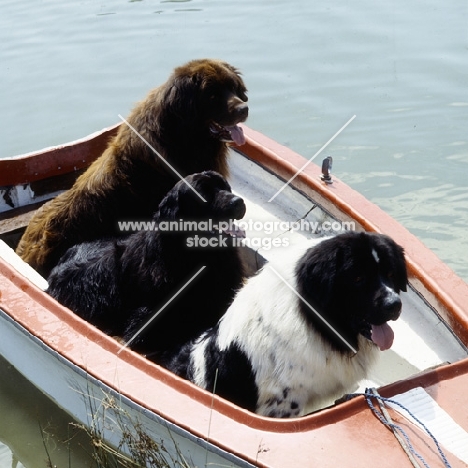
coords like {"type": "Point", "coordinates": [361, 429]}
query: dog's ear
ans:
{"type": "Point", "coordinates": [395, 256]}
{"type": "Point", "coordinates": [400, 268]}
{"type": "Point", "coordinates": [319, 283]}
{"type": "Point", "coordinates": [316, 274]}
{"type": "Point", "coordinates": [181, 96]}
{"type": "Point", "coordinates": [191, 198]}
{"type": "Point", "coordinates": [169, 206]}
{"type": "Point", "coordinates": [241, 90]}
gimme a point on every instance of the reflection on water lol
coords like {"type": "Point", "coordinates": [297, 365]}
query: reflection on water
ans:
{"type": "Point", "coordinates": [33, 431]}
{"type": "Point", "coordinates": [69, 68]}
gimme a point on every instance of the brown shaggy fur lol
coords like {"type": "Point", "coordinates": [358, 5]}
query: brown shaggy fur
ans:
{"type": "Point", "coordinates": [185, 120]}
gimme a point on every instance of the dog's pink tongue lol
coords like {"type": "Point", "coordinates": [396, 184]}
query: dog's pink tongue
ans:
{"type": "Point", "coordinates": [382, 336]}
{"type": "Point", "coordinates": [237, 134]}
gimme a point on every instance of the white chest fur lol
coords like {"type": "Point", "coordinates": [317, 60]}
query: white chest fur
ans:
{"type": "Point", "coordinates": [293, 366]}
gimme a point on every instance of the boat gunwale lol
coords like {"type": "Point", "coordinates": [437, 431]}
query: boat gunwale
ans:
{"type": "Point", "coordinates": [284, 162]}
{"type": "Point", "coordinates": [110, 391]}
{"type": "Point", "coordinates": [432, 278]}
{"type": "Point", "coordinates": [235, 422]}
{"type": "Point", "coordinates": [435, 281]}
{"type": "Point", "coordinates": [56, 160]}
{"type": "Point", "coordinates": [34, 297]}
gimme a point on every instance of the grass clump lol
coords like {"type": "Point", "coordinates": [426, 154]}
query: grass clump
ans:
{"type": "Point", "coordinates": [136, 448]}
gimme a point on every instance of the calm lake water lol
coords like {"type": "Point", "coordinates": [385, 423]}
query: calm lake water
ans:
{"type": "Point", "coordinates": [401, 66]}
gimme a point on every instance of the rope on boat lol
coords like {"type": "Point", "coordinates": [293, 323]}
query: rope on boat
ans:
{"type": "Point", "coordinates": [385, 415]}
{"type": "Point", "coordinates": [397, 430]}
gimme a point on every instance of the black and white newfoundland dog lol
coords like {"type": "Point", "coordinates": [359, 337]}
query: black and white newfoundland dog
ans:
{"type": "Point", "coordinates": [119, 284]}
{"type": "Point", "coordinates": [305, 329]}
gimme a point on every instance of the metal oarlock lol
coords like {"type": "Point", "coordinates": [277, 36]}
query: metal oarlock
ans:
{"type": "Point", "coordinates": [327, 164]}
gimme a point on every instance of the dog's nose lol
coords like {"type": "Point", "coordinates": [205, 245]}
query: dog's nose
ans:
{"type": "Point", "coordinates": [392, 308]}
{"type": "Point", "coordinates": [242, 111]}
{"type": "Point", "coordinates": [237, 207]}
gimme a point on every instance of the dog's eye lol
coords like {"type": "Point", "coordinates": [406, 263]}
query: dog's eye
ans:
{"type": "Point", "coordinates": [214, 95]}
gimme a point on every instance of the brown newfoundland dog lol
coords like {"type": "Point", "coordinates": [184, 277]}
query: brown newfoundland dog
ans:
{"type": "Point", "coordinates": [190, 120]}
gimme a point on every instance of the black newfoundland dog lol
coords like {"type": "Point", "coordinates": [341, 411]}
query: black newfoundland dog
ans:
{"type": "Point", "coordinates": [190, 120]}
{"type": "Point", "coordinates": [119, 284]}
{"type": "Point", "coordinates": [305, 329]}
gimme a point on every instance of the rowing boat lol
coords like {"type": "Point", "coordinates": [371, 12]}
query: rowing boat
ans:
{"type": "Point", "coordinates": [109, 388]}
